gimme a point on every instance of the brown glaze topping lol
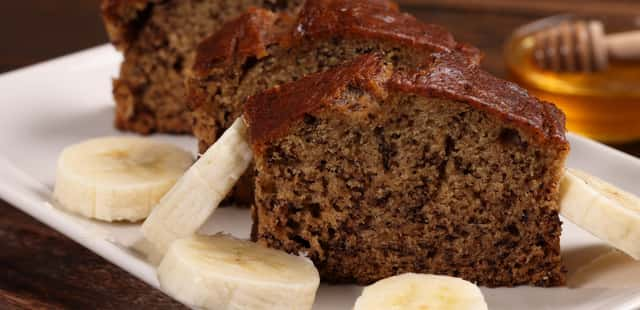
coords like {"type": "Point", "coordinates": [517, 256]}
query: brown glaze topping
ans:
{"type": "Point", "coordinates": [450, 77]}
{"type": "Point", "coordinates": [270, 113]}
{"type": "Point", "coordinates": [453, 77]}
{"type": "Point", "coordinates": [251, 34]}
{"type": "Point", "coordinates": [377, 19]}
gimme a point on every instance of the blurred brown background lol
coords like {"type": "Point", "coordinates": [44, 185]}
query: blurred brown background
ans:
{"type": "Point", "coordinates": [37, 30]}
{"type": "Point", "coordinates": [41, 269]}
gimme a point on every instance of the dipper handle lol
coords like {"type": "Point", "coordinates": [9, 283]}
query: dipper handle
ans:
{"type": "Point", "coordinates": [625, 45]}
{"type": "Point", "coordinates": [583, 46]}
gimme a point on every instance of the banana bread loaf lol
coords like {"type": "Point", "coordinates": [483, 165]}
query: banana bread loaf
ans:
{"type": "Point", "coordinates": [262, 49]}
{"type": "Point", "coordinates": [373, 169]}
{"type": "Point", "coordinates": [158, 38]}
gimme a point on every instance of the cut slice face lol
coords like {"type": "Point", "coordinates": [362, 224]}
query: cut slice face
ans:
{"type": "Point", "coordinates": [600, 208]}
{"type": "Point", "coordinates": [117, 178]}
{"type": "Point", "coordinates": [184, 209]}
{"type": "Point", "coordinates": [220, 272]}
{"type": "Point", "coordinates": [412, 291]}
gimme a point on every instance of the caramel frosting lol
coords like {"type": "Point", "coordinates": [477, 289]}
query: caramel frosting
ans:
{"type": "Point", "coordinates": [251, 34]}
{"type": "Point", "coordinates": [451, 76]}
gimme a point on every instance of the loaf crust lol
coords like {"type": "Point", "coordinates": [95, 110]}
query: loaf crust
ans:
{"type": "Point", "coordinates": [449, 76]}
{"type": "Point", "coordinates": [251, 34]}
{"type": "Point", "coordinates": [259, 36]}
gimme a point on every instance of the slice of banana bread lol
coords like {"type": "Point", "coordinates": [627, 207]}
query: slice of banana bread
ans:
{"type": "Point", "coordinates": [158, 38]}
{"type": "Point", "coordinates": [373, 170]}
{"type": "Point", "coordinates": [262, 49]}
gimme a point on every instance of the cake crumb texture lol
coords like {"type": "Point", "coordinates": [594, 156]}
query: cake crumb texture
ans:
{"type": "Point", "coordinates": [158, 39]}
{"type": "Point", "coordinates": [372, 179]}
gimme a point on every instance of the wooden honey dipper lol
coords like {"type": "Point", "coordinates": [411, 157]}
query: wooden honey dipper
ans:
{"type": "Point", "coordinates": [583, 46]}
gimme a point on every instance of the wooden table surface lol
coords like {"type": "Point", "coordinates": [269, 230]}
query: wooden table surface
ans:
{"type": "Point", "coordinates": [42, 269]}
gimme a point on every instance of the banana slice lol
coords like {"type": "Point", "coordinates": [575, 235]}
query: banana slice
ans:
{"type": "Point", "coordinates": [184, 209]}
{"type": "Point", "coordinates": [421, 291]}
{"type": "Point", "coordinates": [117, 178]}
{"type": "Point", "coordinates": [600, 208]}
{"type": "Point", "coordinates": [220, 272]}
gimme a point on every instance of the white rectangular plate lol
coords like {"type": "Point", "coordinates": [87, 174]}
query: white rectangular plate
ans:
{"type": "Point", "coordinates": [55, 104]}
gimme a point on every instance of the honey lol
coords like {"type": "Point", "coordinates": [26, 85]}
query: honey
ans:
{"type": "Point", "coordinates": [602, 105]}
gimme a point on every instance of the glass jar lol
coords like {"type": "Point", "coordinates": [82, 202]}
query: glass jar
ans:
{"type": "Point", "coordinates": [604, 105]}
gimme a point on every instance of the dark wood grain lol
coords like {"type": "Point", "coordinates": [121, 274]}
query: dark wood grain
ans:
{"type": "Point", "coordinates": [42, 269]}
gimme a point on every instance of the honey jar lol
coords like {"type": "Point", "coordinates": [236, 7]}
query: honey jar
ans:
{"type": "Point", "coordinates": [604, 105]}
